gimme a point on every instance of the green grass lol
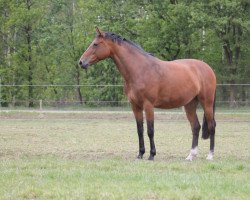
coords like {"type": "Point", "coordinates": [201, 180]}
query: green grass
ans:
{"type": "Point", "coordinates": [91, 156]}
{"type": "Point", "coordinates": [53, 178]}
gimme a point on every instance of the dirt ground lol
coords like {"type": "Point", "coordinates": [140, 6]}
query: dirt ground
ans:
{"type": "Point", "coordinates": [109, 115]}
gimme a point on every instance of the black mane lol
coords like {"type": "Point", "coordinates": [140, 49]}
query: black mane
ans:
{"type": "Point", "coordinates": [119, 39]}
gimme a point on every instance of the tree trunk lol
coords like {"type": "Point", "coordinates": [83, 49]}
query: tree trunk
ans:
{"type": "Point", "coordinates": [78, 88]}
{"type": "Point", "coordinates": [232, 95]}
{"type": "Point", "coordinates": [71, 40]}
{"type": "Point", "coordinates": [231, 71]}
{"type": "Point", "coordinates": [224, 94]}
{"type": "Point", "coordinates": [30, 68]}
{"type": "Point", "coordinates": [51, 80]}
{"type": "Point", "coordinates": [28, 30]}
{"type": "Point", "coordinates": [243, 95]}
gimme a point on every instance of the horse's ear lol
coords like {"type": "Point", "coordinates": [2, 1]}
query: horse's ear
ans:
{"type": "Point", "coordinates": [98, 31]}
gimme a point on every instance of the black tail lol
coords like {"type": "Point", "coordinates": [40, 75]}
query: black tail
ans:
{"type": "Point", "coordinates": [205, 132]}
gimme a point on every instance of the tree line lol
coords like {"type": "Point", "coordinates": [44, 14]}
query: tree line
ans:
{"type": "Point", "coordinates": [41, 42]}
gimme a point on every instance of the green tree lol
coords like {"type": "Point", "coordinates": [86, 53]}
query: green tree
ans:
{"type": "Point", "coordinates": [21, 20]}
{"type": "Point", "coordinates": [230, 21]}
{"type": "Point", "coordinates": [42, 41]}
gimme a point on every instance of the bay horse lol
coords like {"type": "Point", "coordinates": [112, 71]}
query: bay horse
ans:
{"type": "Point", "coordinates": [152, 83]}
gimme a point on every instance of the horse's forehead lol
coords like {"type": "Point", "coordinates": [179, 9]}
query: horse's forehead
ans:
{"type": "Point", "coordinates": [97, 38]}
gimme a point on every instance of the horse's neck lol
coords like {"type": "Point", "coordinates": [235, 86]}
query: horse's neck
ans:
{"type": "Point", "coordinates": [129, 62]}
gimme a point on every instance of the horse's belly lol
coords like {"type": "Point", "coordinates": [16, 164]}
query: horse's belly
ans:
{"type": "Point", "coordinates": [175, 101]}
{"type": "Point", "coordinates": [169, 104]}
{"type": "Point", "coordinates": [178, 92]}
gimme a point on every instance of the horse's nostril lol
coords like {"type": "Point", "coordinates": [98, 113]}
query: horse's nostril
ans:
{"type": "Point", "coordinates": [80, 62]}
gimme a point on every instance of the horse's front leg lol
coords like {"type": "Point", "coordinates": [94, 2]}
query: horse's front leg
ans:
{"type": "Point", "coordinates": [149, 111]}
{"type": "Point", "coordinates": [138, 113]}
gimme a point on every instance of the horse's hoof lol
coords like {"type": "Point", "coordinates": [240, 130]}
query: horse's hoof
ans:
{"type": "Point", "coordinates": [139, 157]}
{"type": "Point", "coordinates": [210, 156]}
{"type": "Point", "coordinates": [193, 153]}
{"type": "Point", "coordinates": [189, 158]}
{"type": "Point", "coordinates": [151, 158]}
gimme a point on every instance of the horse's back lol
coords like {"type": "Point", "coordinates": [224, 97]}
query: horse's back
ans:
{"type": "Point", "coordinates": [195, 64]}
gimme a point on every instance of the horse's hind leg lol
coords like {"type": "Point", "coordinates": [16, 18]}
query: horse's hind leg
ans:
{"type": "Point", "coordinates": [209, 119]}
{"type": "Point", "coordinates": [190, 109]}
{"type": "Point", "coordinates": [208, 126]}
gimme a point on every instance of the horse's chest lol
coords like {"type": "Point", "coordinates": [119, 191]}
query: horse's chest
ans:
{"type": "Point", "coordinates": [133, 95]}
{"type": "Point", "coordinates": [138, 97]}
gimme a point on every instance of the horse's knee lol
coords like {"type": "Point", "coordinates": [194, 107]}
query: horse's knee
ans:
{"type": "Point", "coordinates": [196, 128]}
{"type": "Point", "coordinates": [211, 127]}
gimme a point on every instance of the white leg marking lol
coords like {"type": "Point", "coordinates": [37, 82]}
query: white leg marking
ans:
{"type": "Point", "coordinates": [210, 156]}
{"type": "Point", "coordinates": [193, 153]}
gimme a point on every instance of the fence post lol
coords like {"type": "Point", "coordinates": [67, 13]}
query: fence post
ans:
{"type": "Point", "coordinates": [0, 92]}
{"type": "Point", "coordinates": [41, 104]}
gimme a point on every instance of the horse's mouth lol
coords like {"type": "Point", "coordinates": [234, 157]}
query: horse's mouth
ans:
{"type": "Point", "coordinates": [84, 66]}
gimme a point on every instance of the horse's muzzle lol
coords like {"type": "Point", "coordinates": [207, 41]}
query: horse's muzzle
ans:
{"type": "Point", "coordinates": [83, 65]}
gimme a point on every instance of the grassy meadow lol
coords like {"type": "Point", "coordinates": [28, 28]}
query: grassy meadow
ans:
{"type": "Point", "coordinates": [92, 156]}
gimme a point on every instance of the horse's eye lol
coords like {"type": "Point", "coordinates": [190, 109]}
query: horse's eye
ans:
{"type": "Point", "coordinates": [95, 44]}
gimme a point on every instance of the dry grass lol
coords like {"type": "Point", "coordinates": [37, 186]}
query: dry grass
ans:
{"type": "Point", "coordinates": [104, 136]}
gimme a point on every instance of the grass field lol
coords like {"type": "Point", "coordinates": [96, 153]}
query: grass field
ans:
{"type": "Point", "coordinates": [92, 156]}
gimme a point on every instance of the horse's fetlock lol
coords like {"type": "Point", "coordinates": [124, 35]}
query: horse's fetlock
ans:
{"type": "Point", "coordinates": [153, 152]}
{"type": "Point", "coordinates": [142, 151]}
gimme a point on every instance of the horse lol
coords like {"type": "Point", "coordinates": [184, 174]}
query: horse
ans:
{"type": "Point", "coordinates": [153, 83]}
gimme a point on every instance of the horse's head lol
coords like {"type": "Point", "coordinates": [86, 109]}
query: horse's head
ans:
{"type": "Point", "coordinates": [97, 50]}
